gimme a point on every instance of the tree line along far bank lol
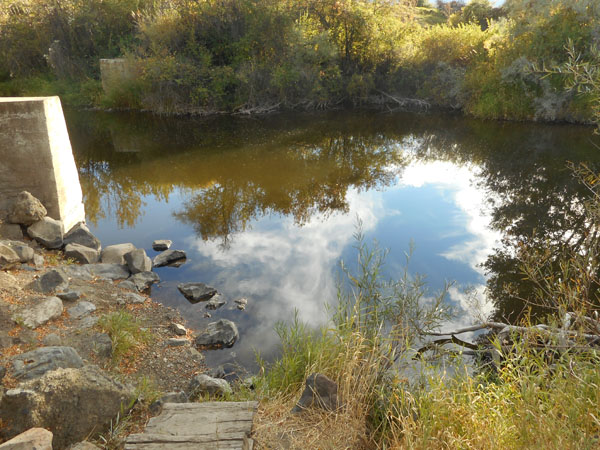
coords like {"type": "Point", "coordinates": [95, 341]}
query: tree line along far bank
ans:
{"type": "Point", "coordinates": [247, 56]}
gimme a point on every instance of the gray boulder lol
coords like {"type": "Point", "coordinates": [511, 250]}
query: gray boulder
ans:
{"type": "Point", "coordinates": [69, 296]}
{"type": "Point", "coordinates": [132, 297]}
{"type": "Point", "coordinates": [10, 231]}
{"type": "Point", "coordinates": [144, 280]}
{"type": "Point", "coordinates": [72, 403]}
{"type": "Point", "coordinates": [52, 281]}
{"type": "Point", "coordinates": [241, 303]}
{"type": "Point", "coordinates": [217, 372]}
{"type": "Point", "coordinates": [129, 285]}
{"type": "Point", "coordinates": [24, 251]}
{"type": "Point", "coordinates": [36, 363]}
{"type": "Point", "coordinates": [110, 271]}
{"type": "Point", "coordinates": [52, 340]}
{"type": "Point", "coordinates": [177, 342]}
{"type": "Point", "coordinates": [86, 322]}
{"type": "Point", "coordinates": [161, 245]}
{"type": "Point", "coordinates": [320, 392]}
{"type": "Point", "coordinates": [138, 261]}
{"type": "Point", "coordinates": [26, 209]}
{"type": "Point", "coordinates": [82, 254]}
{"type": "Point", "coordinates": [32, 439]}
{"type": "Point", "coordinates": [115, 254]}
{"type": "Point", "coordinates": [178, 329]}
{"type": "Point", "coordinates": [7, 279]}
{"type": "Point", "coordinates": [80, 234]}
{"type": "Point", "coordinates": [204, 384]}
{"type": "Point", "coordinates": [215, 302]}
{"type": "Point", "coordinates": [8, 257]}
{"type": "Point", "coordinates": [196, 292]}
{"type": "Point", "coordinates": [169, 257]}
{"type": "Point", "coordinates": [102, 344]}
{"type": "Point", "coordinates": [81, 309]}
{"type": "Point", "coordinates": [47, 309]}
{"type": "Point", "coordinates": [222, 333]}
{"type": "Point", "coordinates": [47, 232]}
{"type": "Point", "coordinates": [169, 397]}
{"type": "Point", "coordinates": [38, 261]}
{"type": "Point", "coordinates": [79, 272]}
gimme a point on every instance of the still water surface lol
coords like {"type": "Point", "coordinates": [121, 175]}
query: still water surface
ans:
{"type": "Point", "coordinates": [267, 207]}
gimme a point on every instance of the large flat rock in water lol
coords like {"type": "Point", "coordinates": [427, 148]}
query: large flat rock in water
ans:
{"type": "Point", "coordinates": [208, 425]}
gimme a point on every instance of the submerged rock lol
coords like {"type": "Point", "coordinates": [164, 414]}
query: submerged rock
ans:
{"type": "Point", "coordinates": [241, 303]}
{"type": "Point", "coordinates": [215, 302]}
{"type": "Point", "coordinates": [196, 292]}
{"type": "Point", "coordinates": [169, 257]}
{"type": "Point", "coordinates": [144, 280]}
{"type": "Point", "coordinates": [161, 245]}
{"type": "Point", "coordinates": [219, 334]}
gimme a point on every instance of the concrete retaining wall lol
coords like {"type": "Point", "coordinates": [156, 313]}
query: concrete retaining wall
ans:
{"type": "Point", "coordinates": [36, 156]}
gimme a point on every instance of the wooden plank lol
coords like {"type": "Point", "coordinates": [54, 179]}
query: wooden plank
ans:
{"type": "Point", "coordinates": [208, 425]}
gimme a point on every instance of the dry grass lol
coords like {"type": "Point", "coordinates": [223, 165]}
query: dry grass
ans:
{"type": "Point", "coordinates": [357, 369]}
{"type": "Point", "coordinates": [276, 427]}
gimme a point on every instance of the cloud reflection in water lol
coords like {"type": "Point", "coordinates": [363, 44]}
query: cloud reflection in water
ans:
{"type": "Point", "coordinates": [280, 266]}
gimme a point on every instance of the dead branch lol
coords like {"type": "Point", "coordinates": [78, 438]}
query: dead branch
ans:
{"type": "Point", "coordinates": [407, 102]}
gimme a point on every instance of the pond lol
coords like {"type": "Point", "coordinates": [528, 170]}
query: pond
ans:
{"type": "Point", "coordinates": [267, 207]}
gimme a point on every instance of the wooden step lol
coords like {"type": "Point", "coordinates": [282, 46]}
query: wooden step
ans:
{"type": "Point", "coordinates": [208, 425]}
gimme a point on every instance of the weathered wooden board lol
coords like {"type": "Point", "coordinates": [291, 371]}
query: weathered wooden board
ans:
{"type": "Point", "coordinates": [209, 425]}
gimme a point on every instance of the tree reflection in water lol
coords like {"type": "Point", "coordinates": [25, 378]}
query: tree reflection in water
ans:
{"type": "Point", "coordinates": [233, 171]}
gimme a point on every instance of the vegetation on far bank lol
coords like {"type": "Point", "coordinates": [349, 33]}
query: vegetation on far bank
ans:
{"type": "Point", "coordinates": [249, 56]}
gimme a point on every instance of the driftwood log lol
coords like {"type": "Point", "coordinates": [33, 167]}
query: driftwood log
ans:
{"type": "Point", "coordinates": [577, 333]}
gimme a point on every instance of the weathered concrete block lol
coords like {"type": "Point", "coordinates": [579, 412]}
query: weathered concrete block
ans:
{"type": "Point", "coordinates": [36, 156]}
{"type": "Point", "coordinates": [114, 72]}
